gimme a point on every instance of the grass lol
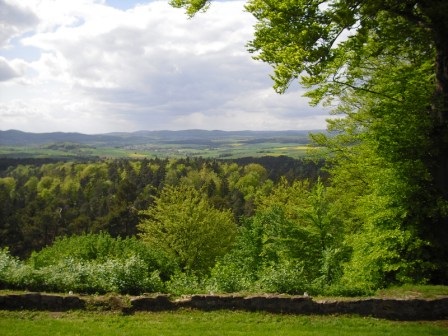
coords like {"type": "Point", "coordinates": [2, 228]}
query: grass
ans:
{"type": "Point", "coordinates": [191, 322]}
{"type": "Point", "coordinates": [194, 322]}
{"type": "Point", "coordinates": [227, 150]}
{"type": "Point", "coordinates": [414, 292]}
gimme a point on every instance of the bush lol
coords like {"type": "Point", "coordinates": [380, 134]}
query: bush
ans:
{"type": "Point", "coordinates": [15, 274]}
{"type": "Point", "coordinates": [229, 278]}
{"type": "Point", "coordinates": [284, 277]}
{"type": "Point", "coordinates": [101, 248]}
{"type": "Point", "coordinates": [99, 264]}
{"type": "Point", "coordinates": [185, 283]}
{"type": "Point", "coordinates": [7, 262]}
{"type": "Point", "coordinates": [132, 277]}
{"type": "Point", "coordinates": [126, 277]}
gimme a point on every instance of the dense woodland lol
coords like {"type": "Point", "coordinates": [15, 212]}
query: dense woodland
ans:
{"type": "Point", "coordinates": [195, 225]}
{"type": "Point", "coordinates": [42, 202]}
{"type": "Point", "coordinates": [186, 215]}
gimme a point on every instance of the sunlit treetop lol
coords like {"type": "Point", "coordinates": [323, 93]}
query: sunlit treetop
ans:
{"type": "Point", "coordinates": [316, 39]}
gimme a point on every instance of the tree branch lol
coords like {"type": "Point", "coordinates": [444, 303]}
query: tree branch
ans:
{"type": "Point", "coordinates": [367, 90]}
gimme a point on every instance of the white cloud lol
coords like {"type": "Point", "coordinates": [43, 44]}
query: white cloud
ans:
{"type": "Point", "coordinates": [147, 67]}
{"type": "Point", "coordinates": [15, 19]}
{"type": "Point", "coordinates": [244, 120]}
{"type": "Point", "coordinates": [6, 70]}
{"type": "Point", "coordinates": [55, 114]}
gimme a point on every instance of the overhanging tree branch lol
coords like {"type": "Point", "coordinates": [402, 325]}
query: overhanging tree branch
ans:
{"type": "Point", "coordinates": [367, 90]}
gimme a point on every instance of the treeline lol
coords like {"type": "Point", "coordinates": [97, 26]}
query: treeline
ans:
{"type": "Point", "coordinates": [196, 225]}
{"type": "Point", "coordinates": [41, 201]}
{"type": "Point", "coordinates": [176, 226]}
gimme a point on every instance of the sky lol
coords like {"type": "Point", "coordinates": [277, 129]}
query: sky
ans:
{"type": "Point", "coordinates": [98, 66]}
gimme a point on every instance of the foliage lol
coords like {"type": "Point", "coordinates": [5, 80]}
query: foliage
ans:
{"type": "Point", "coordinates": [124, 275]}
{"type": "Point", "coordinates": [383, 64]}
{"type": "Point", "coordinates": [8, 264]}
{"type": "Point", "coordinates": [69, 274]}
{"type": "Point", "coordinates": [294, 247]}
{"type": "Point", "coordinates": [101, 248]}
{"type": "Point", "coordinates": [183, 283]}
{"type": "Point", "coordinates": [289, 196]}
{"type": "Point", "coordinates": [348, 238]}
{"type": "Point", "coordinates": [41, 202]}
{"type": "Point", "coordinates": [289, 248]}
{"type": "Point", "coordinates": [230, 277]}
{"type": "Point", "coordinates": [384, 257]}
{"type": "Point", "coordinates": [285, 276]}
{"type": "Point", "coordinates": [378, 171]}
{"type": "Point", "coordinates": [186, 226]}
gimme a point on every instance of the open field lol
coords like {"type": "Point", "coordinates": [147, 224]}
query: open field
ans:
{"type": "Point", "coordinates": [191, 322]}
{"type": "Point", "coordinates": [228, 151]}
{"type": "Point", "coordinates": [180, 144]}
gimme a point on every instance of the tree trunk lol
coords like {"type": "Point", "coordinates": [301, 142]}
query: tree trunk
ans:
{"type": "Point", "coordinates": [440, 117]}
{"type": "Point", "coordinates": [437, 12]}
{"type": "Point", "coordinates": [438, 232]}
{"type": "Point", "coordinates": [435, 18]}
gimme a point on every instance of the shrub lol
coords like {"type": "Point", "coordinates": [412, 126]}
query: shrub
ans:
{"type": "Point", "coordinates": [126, 277]}
{"type": "Point", "coordinates": [284, 277]}
{"type": "Point", "coordinates": [7, 262]}
{"type": "Point", "coordinates": [383, 257]}
{"type": "Point", "coordinates": [132, 277]}
{"type": "Point", "coordinates": [100, 248]}
{"type": "Point", "coordinates": [229, 278]}
{"type": "Point", "coordinates": [185, 283]}
{"type": "Point", "coordinates": [98, 264]}
{"type": "Point", "coordinates": [14, 274]}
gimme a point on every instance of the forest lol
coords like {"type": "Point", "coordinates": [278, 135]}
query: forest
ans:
{"type": "Point", "coordinates": [272, 224]}
{"type": "Point", "coordinates": [60, 217]}
{"type": "Point", "coordinates": [40, 202]}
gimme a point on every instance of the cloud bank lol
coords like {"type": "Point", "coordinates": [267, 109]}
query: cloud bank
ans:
{"type": "Point", "coordinates": [90, 67]}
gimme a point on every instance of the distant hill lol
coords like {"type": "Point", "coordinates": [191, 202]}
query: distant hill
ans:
{"type": "Point", "coordinates": [19, 138]}
{"type": "Point", "coordinates": [148, 144]}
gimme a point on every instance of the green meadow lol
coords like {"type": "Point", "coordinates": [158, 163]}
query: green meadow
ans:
{"type": "Point", "coordinates": [223, 151]}
{"type": "Point", "coordinates": [191, 322]}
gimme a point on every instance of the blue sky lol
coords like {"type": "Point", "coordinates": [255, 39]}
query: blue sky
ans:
{"type": "Point", "coordinates": [97, 66]}
{"type": "Point", "coordinates": [124, 4]}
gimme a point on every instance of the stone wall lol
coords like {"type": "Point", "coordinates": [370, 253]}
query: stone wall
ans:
{"type": "Point", "coordinates": [37, 301]}
{"type": "Point", "coordinates": [396, 309]}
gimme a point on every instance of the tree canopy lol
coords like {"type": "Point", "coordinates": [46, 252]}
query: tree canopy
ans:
{"type": "Point", "coordinates": [327, 45]}
{"type": "Point", "coordinates": [384, 66]}
{"type": "Point", "coordinates": [184, 224]}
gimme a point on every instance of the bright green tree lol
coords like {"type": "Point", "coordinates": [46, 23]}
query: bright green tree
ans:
{"type": "Point", "coordinates": [324, 44]}
{"type": "Point", "coordinates": [184, 224]}
{"type": "Point", "coordinates": [386, 63]}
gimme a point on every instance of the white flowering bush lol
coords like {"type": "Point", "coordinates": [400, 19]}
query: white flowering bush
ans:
{"type": "Point", "coordinates": [130, 274]}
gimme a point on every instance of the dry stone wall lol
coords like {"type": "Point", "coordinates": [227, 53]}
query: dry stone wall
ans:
{"type": "Point", "coordinates": [396, 309]}
{"type": "Point", "coordinates": [37, 301]}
